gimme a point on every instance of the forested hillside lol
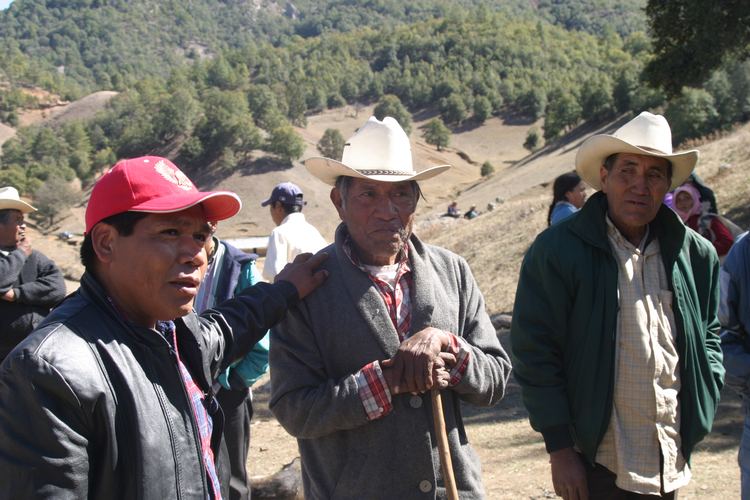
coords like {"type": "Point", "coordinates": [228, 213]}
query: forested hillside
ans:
{"type": "Point", "coordinates": [466, 67]}
{"type": "Point", "coordinates": [79, 46]}
{"type": "Point", "coordinates": [219, 84]}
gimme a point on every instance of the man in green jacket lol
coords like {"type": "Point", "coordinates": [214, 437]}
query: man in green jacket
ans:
{"type": "Point", "coordinates": [615, 325]}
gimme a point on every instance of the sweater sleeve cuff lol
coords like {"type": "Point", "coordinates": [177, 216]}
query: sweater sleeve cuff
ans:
{"type": "Point", "coordinates": [557, 438]}
{"type": "Point", "coordinates": [463, 357]}
{"type": "Point", "coordinates": [289, 291]}
{"type": "Point", "coordinates": [373, 391]}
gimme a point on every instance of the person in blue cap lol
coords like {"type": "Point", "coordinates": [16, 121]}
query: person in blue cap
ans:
{"type": "Point", "coordinates": [293, 234]}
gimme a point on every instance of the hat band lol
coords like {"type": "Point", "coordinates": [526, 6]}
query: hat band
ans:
{"type": "Point", "coordinates": [386, 172]}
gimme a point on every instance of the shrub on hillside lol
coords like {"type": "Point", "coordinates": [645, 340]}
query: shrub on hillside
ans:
{"type": "Point", "coordinates": [331, 145]}
{"type": "Point", "coordinates": [286, 143]}
{"type": "Point", "coordinates": [533, 139]}
{"type": "Point", "coordinates": [437, 134]}
{"type": "Point", "coordinates": [487, 169]}
{"type": "Point", "coordinates": [53, 198]}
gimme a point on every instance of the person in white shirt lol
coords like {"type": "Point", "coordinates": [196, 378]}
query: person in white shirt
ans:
{"type": "Point", "coordinates": [293, 234]}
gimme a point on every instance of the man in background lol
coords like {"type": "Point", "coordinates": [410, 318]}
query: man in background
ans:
{"type": "Point", "coordinates": [230, 271]}
{"type": "Point", "coordinates": [293, 234]}
{"type": "Point", "coordinates": [734, 314]}
{"type": "Point", "coordinates": [615, 327]}
{"type": "Point", "coordinates": [30, 283]}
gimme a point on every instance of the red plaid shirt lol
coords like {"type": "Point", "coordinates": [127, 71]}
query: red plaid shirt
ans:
{"type": "Point", "coordinates": [373, 389]}
{"type": "Point", "coordinates": [202, 418]}
{"type": "Point", "coordinates": [196, 397]}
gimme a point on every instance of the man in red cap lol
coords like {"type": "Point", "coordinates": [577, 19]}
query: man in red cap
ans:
{"type": "Point", "coordinates": [111, 397]}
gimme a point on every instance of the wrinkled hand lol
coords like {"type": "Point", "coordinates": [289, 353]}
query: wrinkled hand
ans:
{"type": "Point", "coordinates": [568, 475]}
{"type": "Point", "coordinates": [440, 373]}
{"type": "Point", "coordinates": [9, 296]}
{"type": "Point", "coordinates": [302, 273]}
{"type": "Point", "coordinates": [412, 368]}
{"type": "Point", "coordinates": [25, 244]}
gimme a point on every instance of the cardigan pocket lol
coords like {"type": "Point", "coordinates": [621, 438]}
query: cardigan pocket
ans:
{"type": "Point", "coordinates": [351, 478]}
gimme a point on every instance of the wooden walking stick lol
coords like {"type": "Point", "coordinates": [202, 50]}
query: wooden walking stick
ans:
{"type": "Point", "coordinates": [443, 448]}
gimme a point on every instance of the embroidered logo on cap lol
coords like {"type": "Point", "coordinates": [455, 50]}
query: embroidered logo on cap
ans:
{"type": "Point", "coordinates": [174, 176]}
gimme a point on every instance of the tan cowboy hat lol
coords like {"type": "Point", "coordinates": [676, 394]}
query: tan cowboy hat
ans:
{"type": "Point", "coordinates": [646, 134]}
{"type": "Point", "coordinates": [9, 199]}
{"type": "Point", "coordinates": [379, 151]}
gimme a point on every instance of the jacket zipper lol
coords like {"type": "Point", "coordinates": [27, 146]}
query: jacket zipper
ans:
{"type": "Point", "coordinates": [160, 394]}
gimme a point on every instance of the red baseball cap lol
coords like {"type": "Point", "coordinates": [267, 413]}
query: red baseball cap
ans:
{"type": "Point", "coordinates": [155, 185]}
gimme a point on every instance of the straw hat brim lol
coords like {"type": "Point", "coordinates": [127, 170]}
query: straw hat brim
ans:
{"type": "Point", "coordinates": [22, 206]}
{"type": "Point", "coordinates": [328, 170]}
{"type": "Point", "coordinates": [595, 150]}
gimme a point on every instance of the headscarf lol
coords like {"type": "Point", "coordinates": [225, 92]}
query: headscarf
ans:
{"type": "Point", "coordinates": [696, 209]}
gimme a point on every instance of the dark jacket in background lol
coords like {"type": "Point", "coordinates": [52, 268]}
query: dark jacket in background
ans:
{"type": "Point", "coordinates": [92, 406]}
{"type": "Point", "coordinates": [38, 285]}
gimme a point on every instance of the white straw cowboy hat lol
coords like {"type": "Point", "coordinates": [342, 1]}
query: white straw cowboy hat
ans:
{"type": "Point", "coordinates": [646, 134]}
{"type": "Point", "coordinates": [379, 151]}
{"type": "Point", "coordinates": [9, 199]}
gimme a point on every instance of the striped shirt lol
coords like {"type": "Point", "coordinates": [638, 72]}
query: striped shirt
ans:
{"type": "Point", "coordinates": [202, 418]}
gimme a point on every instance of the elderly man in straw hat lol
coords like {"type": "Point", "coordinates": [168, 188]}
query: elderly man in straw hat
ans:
{"type": "Point", "coordinates": [30, 283]}
{"type": "Point", "coordinates": [350, 364]}
{"type": "Point", "coordinates": [615, 325]}
{"type": "Point", "coordinates": [112, 397]}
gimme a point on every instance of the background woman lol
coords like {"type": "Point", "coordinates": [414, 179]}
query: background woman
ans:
{"type": "Point", "coordinates": [687, 204]}
{"type": "Point", "coordinates": [568, 195]}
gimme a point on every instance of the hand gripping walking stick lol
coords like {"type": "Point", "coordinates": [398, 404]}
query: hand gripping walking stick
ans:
{"type": "Point", "coordinates": [443, 448]}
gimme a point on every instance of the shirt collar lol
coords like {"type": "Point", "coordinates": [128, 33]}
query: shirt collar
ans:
{"type": "Point", "coordinates": [294, 216]}
{"type": "Point", "coordinates": [623, 242]}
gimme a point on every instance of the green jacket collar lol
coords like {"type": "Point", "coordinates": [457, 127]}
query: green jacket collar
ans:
{"type": "Point", "coordinates": [590, 225]}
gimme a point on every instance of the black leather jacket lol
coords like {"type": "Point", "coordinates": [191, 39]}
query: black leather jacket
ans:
{"type": "Point", "coordinates": [92, 406]}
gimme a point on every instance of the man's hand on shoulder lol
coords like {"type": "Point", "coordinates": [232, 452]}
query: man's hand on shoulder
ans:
{"type": "Point", "coordinates": [303, 273]}
{"type": "Point", "coordinates": [568, 475]}
{"type": "Point", "coordinates": [9, 296]}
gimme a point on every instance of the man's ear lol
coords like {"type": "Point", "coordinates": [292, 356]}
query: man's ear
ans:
{"type": "Point", "coordinates": [103, 239]}
{"type": "Point", "coordinates": [603, 173]}
{"type": "Point", "coordinates": [337, 201]}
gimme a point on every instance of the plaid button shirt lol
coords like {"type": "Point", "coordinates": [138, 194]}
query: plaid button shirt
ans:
{"type": "Point", "coordinates": [642, 444]}
{"type": "Point", "coordinates": [202, 418]}
{"type": "Point", "coordinates": [373, 389]}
